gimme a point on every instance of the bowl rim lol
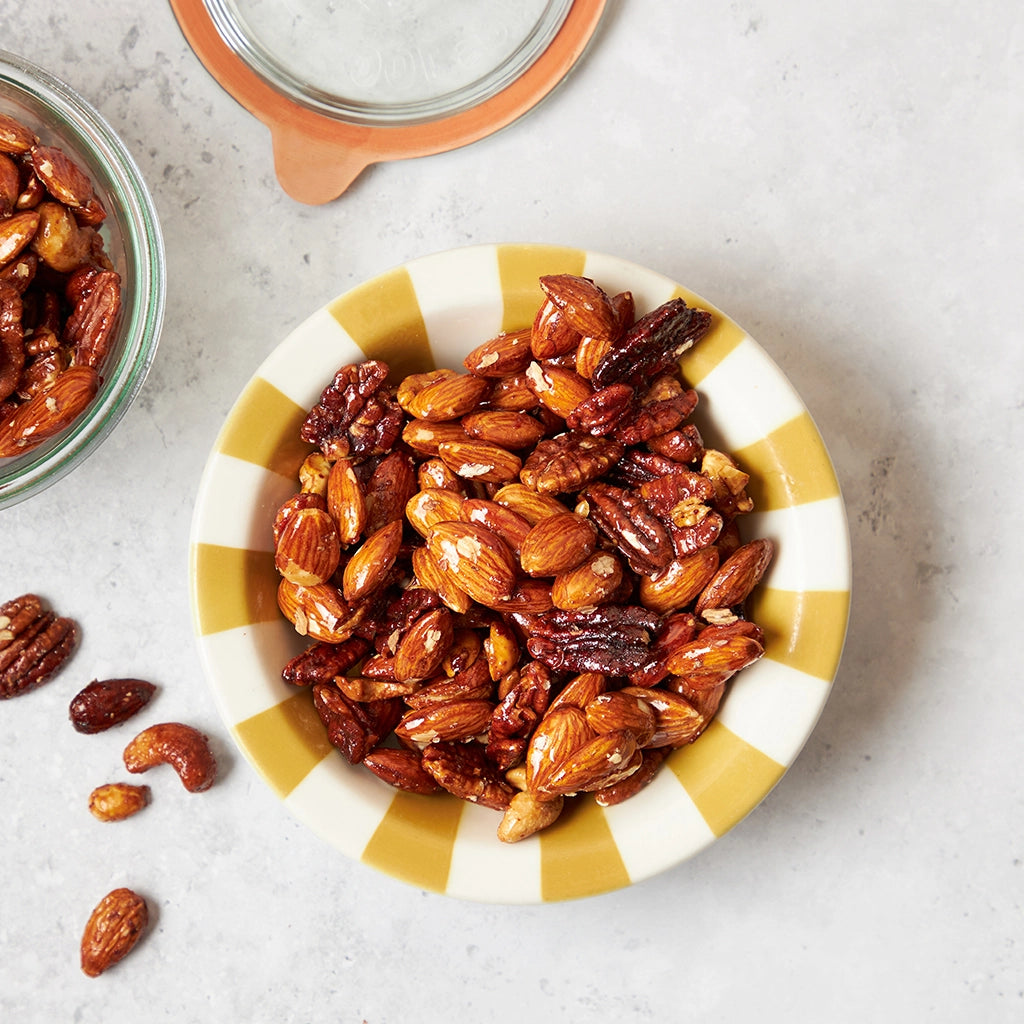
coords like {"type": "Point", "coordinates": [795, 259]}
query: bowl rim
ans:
{"type": "Point", "coordinates": [143, 312]}
{"type": "Point", "coordinates": [702, 805]}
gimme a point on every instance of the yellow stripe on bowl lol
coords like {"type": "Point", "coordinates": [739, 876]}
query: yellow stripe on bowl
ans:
{"type": "Point", "coordinates": [578, 854]}
{"type": "Point", "coordinates": [791, 466]}
{"type": "Point", "coordinates": [263, 428]}
{"type": "Point", "coordinates": [415, 838]}
{"type": "Point", "coordinates": [286, 741]}
{"type": "Point", "coordinates": [520, 267]}
{"type": "Point", "coordinates": [383, 318]}
{"type": "Point", "coordinates": [803, 629]}
{"type": "Point", "coordinates": [341, 802]}
{"type": "Point", "coordinates": [233, 587]}
{"type": "Point", "coordinates": [725, 776]}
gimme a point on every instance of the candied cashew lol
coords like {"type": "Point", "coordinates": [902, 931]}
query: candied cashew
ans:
{"type": "Point", "coordinates": [184, 748]}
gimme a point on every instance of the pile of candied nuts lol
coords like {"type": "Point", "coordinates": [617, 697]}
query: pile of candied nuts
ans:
{"type": "Point", "coordinates": [35, 646]}
{"type": "Point", "coordinates": [524, 581]}
{"type": "Point", "coordinates": [60, 297]}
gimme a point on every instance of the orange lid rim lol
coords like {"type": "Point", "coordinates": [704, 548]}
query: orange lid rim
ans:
{"type": "Point", "coordinates": [317, 156]}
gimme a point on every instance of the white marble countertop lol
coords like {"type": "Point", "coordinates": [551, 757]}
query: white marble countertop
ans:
{"type": "Point", "coordinates": [844, 182]}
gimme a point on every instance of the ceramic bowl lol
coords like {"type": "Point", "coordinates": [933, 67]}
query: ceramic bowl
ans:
{"type": "Point", "coordinates": [133, 242]}
{"type": "Point", "coordinates": [431, 312]}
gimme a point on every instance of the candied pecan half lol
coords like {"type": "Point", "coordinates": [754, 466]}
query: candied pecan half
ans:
{"type": "Point", "coordinates": [637, 467]}
{"type": "Point", "coordinates": [684, 445]}
{"type": "Point", "coordinates": [465, 771]}
{"type": "Point", "coordinates": [657, 416]}
{"type": "Point", "coordinates": [568, 462]}
{"type": "Point", "coordinates": [667, 493]}
{"type": "Point", "coordinates": [612, 639]}
{"type": "Point", "coordinates": [354, 728]}
{"type": "Point", "coordinates": [604, 410]}
{"type": "Point", "coordinates": [91, 323]}
{"type": "Point", "coordinates": [36, 653]}
{"type": "Point", "coordinates": [321, 662]}
{"type": "Point", "coordinates": [626, 520]}
{"type": "Point", "coordinates": [652, 344]}
{"type": "Point", "coordinates": [356, 416]}
{"type": "Point", "coordinates": [686, 539]}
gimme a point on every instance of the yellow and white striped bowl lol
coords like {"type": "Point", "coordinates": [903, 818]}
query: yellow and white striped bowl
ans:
{"type": "Point", "coordinates": [431, 312]}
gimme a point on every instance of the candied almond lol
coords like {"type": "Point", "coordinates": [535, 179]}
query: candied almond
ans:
{"type": "Point", "coordinates": [113, 930]}
{"type": "Point", "coordinates": [105, 703]}
{"type": "Point", "coordinates": [557, 544]}
{"type": "Point", "coordinates": [500, 356]}
{"type": "Point", "coordinates": [587, 308]}
{"type": "Point", "coordinates": [480, 563]}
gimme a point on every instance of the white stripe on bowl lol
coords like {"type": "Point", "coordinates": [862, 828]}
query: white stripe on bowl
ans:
{"type": "Point", "coordinates": [308, 358]}
{"type": "Point", "coordinates": [342, 803]}
{"type": "Point", "coordinates": [658, 827]}
{"type": "Point", "coordinates": [773, 707]}
{"type": "Point", "coordinates": [238, 659]}
{"type": "Point", "coordinates": [442, 284]}
{"type": "Point", "coordinates": [231, 510]}
{"type": "Point", "coordinates": [649, 289]}
{"type": "Point", "coordinates": [479, 858]}
{"type": "Point", "coordinates": [768, 399]}
{"type": "Point", "coordinates": [806, 538]}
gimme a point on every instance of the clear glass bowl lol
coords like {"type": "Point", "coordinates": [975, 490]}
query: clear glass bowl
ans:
{"type": "Point", "coordinates": [133, 242]}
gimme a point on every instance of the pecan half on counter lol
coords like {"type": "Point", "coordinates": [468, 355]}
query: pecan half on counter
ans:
{"type": "Point", "coordinates": [35, 643]}
{"type": "Point", "coordinates": [522, 580]}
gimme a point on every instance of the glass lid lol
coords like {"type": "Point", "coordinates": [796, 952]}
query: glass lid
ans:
{"type": "Point", "coordinates": [389, 61]}
{"type": "Point", "coordinates": [343, 84]}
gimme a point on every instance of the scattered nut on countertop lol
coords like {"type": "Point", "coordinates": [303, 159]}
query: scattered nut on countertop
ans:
{"type": "Point", "coordinates": [35, 644]}
{"type": "Point", "coordinates": [108, 702]}
{"type": "Point", "coordinates": [183, 747]}
{"type": "Point", "coordinates": [112, 931]}
{"type": "Point", "coordinates": [115, 801]}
